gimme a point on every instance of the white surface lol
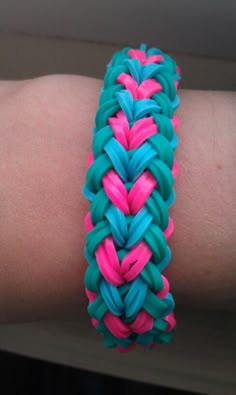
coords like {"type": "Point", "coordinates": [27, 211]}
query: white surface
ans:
{"type": "Point", "coordinates": [187, 26]}
{"type": "Point", "coordinates": [202, 357]}
{"type": "Point", "coordinates": [24, 56]}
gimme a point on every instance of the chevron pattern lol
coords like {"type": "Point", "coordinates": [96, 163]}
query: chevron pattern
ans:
{"type": "Point", "coordinates": [130, 187]}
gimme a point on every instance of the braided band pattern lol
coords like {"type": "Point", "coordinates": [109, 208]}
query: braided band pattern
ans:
{"type": "Point", "coordinates": [130, 187]}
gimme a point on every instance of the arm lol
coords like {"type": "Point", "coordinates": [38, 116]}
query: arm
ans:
{"type": "Point", "coordinates": [45, 136]}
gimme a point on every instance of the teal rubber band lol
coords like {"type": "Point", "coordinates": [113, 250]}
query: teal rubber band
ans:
{"type": "Point", "coordinates": [116, 304]}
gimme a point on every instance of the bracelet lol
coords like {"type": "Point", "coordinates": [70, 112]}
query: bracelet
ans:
{"type": "Point", "coordinates": [130, 187]}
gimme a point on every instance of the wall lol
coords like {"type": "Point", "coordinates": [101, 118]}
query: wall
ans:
{"type": "Point", "coordinates": [187, 26]}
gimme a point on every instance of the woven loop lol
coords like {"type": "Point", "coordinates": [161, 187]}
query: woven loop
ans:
{"type": "Point", "coordinates": [130, 187]}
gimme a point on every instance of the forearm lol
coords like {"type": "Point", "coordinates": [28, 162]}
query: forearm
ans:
{"type": "Point", "coordinates": [45, 137]}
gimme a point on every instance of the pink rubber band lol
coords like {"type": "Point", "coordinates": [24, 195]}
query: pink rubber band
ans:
{"type": "Point", "coordinates": [141, 56]}
{"type": "Point", "coordinates": [141, 191]}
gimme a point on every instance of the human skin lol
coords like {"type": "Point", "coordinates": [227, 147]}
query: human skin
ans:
{"type": "Point", "coordinates": [45, 136]}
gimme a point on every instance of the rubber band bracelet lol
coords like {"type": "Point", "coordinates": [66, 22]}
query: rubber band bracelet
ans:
{"type": "Point", "coordinates": [130, 187]}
